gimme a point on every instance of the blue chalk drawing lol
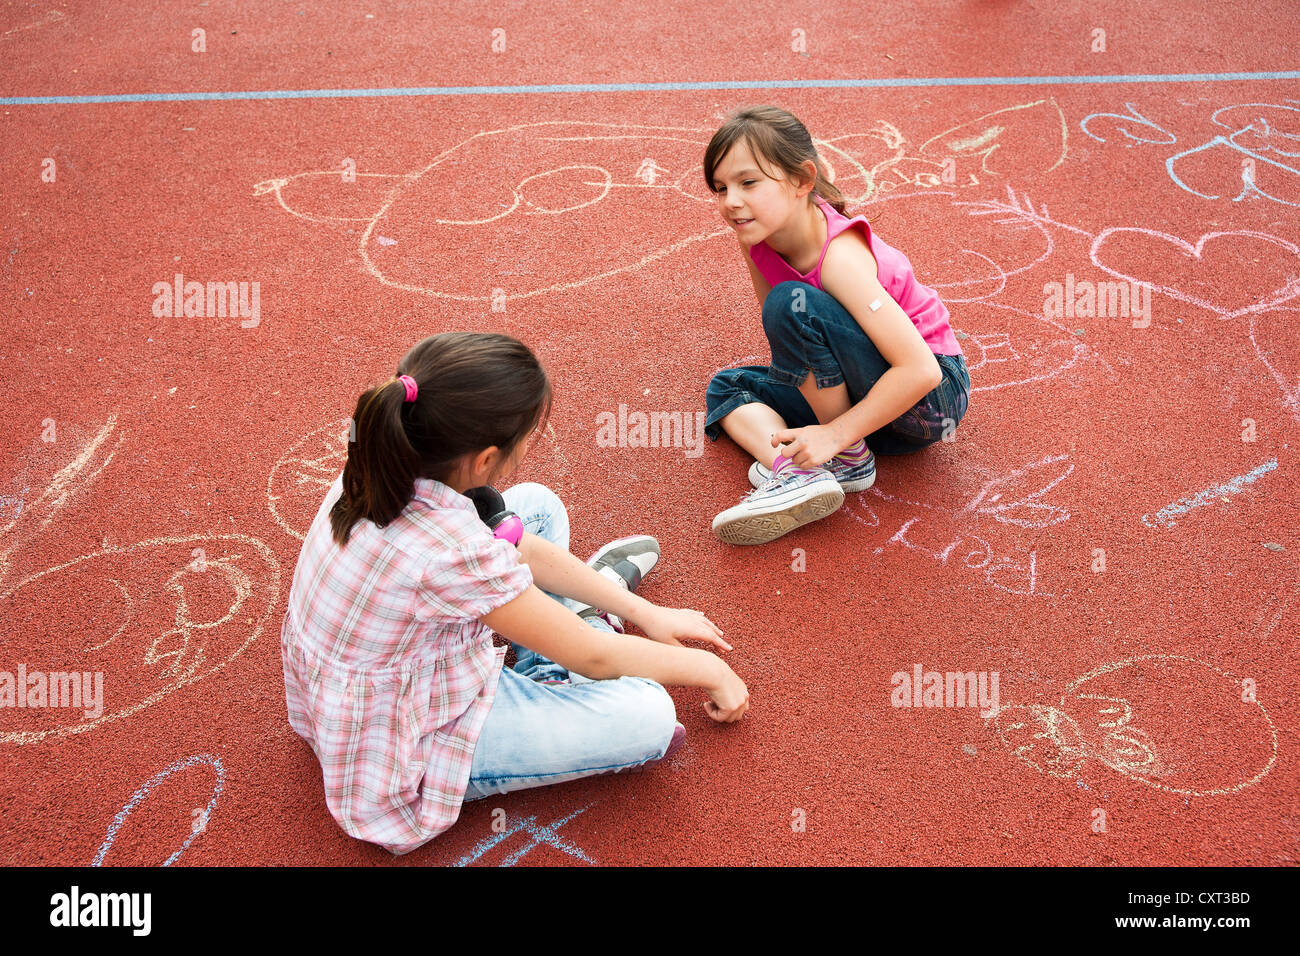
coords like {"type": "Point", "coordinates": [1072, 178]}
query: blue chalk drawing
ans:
{"type": "Point", "coordinates": [540, 835]}
{"type": "Point", "coordinates": [547, 88]}
{"type": "Point", "coordinates": [1254, 162]}
{"type": "Point", "coordinates": [143, 792]}
{"type": "Point", "coordinates": [1123, 122]}
{"type": "Point", "coordinates": [1165, 516]}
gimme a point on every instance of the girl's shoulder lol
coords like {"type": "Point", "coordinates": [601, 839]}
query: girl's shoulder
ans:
{"type": "Point", "coordinates": [849, 251]}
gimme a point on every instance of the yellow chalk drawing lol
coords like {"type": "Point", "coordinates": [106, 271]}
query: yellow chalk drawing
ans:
{"type": "Point", "coordinates": [639, 188]}
{"type": "Point", "coordinates": [1173, 710]}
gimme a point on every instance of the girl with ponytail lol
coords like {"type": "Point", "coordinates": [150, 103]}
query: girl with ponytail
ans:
{"type": "Point", "coordinates": [389, 667]}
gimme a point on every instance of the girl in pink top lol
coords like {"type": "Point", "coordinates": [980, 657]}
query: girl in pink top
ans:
{"type": "Point", "coordinates": [390, 672]}
{"type": "Point", "coordinates": [863, 357]}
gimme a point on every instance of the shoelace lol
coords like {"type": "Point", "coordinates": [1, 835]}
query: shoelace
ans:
{"type": "Point", "coordinates": [776, 481]}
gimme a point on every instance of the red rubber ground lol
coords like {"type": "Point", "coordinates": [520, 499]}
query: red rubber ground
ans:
{"type": "Point", "coordinates": [1113, 530]}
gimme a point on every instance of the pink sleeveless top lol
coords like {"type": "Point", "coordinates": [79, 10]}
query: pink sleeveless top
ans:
{"type": "Point", "coordinates": [920, 302]}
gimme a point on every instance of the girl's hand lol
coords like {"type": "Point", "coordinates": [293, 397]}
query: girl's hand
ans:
{"type": "Point", "coordinates": [672, 625]}
{"type": "Point", "coordinates": [808, 447]}
{"type": "Point", "coordinates": [729, 700]}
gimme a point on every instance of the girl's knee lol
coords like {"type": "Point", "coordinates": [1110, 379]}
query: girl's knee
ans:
{"type": "Point", "coordinates": [651, 709]}
{"type": "Point", "coordinates": [781, 306]}
{"type": "Point", "coordinates": [541, 510]}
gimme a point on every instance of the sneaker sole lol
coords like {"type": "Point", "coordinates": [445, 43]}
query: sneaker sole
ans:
{"type": "Point", "coordinates": [757, 477]}
{"type": "Point", "coordinates": [762, 528]}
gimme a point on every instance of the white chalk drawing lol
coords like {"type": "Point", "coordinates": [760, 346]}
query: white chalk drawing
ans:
{"type": "Point", "coordinates": [1275, 337]}
{"type": "Point", "coordinates": [1017, 498]}
{"type": "Point", "coordinates": [1238, 162]}
{"type": "Point", "coordinates": [193, 827]}
{"type": "Point", "coordinates": [179, 610]}
{"type": "Point", "coordinates": [299, 479]}
{"type": "Point", "coordinates": [1173, 723]}
{"type": "Point", "coordinates": [153, 616]}
{"type": "Point", "coordinates": [1243, 250]}
{"type": "Point", "coordinates": [1008, 347]}
{"type": "Point", "coordinates": [557, 168]}
{"type": "Point", "coordinates": [1170, 514]}
{"type": "Point", "coordinates": [69, 481]}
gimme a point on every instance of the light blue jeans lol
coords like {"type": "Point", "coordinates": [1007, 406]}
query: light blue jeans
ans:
{"type": "Point", "coordinates": [539, 733]}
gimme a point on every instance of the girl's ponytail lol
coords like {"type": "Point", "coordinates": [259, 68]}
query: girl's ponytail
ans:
{"type": "Point", "coordinates": [379, 477]}
{"type": "Point", "coordinates": [472, 391]}
{"type": "Point", "coordinates": [828, 190]}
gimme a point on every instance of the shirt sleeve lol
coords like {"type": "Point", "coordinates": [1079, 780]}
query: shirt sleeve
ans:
{"type": "Point", "coordinates": [474, 578]}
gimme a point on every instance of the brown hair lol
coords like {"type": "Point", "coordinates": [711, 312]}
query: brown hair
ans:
{"type": "Point", "coordinates": [475, 390]}
{"type": "Point", "coordinates": [776, 137]}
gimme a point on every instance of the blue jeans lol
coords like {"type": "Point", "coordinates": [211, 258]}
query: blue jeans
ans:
{"type": "Point", "coordinates": [814, 333]}
{"type": "Point", "coordinates": [543, 733]}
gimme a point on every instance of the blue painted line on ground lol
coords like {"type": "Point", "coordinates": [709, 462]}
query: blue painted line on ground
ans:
{"type": "Point", "coordinates": [886, 83]}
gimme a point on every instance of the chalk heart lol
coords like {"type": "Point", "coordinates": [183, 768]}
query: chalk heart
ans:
{"type": "Point", "coordinates": [1275, 334]}
{"type": "Point", "coordinates": [1240, 248]}
{"type": "Point", "coordinates": [151, 617]}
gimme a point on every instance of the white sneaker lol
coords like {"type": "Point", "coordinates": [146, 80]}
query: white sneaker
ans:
{"type": "Point", "coordinates": [778, 506]}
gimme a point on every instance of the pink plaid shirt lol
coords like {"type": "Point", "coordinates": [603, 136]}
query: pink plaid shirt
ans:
{"type": "Point", "coordinates": [388, 673]}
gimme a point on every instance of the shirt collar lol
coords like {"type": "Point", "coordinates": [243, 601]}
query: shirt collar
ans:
{"type": "Point", "coordinates": [434, 492]}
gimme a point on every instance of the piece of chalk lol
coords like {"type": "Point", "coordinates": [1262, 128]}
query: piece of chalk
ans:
{"type": "Point", "coordinates": [874, 305]}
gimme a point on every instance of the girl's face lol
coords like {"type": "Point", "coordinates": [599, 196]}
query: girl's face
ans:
{"type": "Point", "coordinates": [751, 203]}
{"type": "Point", "coordinates": [507, 468]}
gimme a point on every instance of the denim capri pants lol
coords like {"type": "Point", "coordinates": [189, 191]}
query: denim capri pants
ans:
{"type": "Point", "coordinates": [823, 338]}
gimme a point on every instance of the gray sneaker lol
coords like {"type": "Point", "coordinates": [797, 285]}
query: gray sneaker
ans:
{"type": "Point", "coordinates": [626, 562]}
{"type": "Point", "coordinates": [779, 505]}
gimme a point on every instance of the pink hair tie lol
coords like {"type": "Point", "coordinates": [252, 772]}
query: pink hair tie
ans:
{"type": "Point", "coordinates": [411, 388]}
